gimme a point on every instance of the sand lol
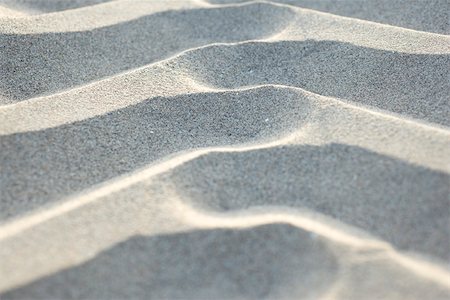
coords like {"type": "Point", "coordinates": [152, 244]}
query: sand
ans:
{"type": "Point", "coordinates": [224, 149]}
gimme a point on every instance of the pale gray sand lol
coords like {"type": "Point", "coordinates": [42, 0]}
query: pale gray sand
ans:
{"type": "Point", "coordinates": [45, 6]}
{"type": "Point", "coordinates": [409, 84]}
{"type": "Point", "coordinates": [74, 58]}
{"type": "Point", "coordinates": [214, 264]}
{"type": "Point", "coordinates": [431, 16]}
{"type": "Point", "coordinates": [199, 265]}
{"type": "Point", "coordinates": [83, 56]}
{"type": "Point", "coordinates": [301, 196]}
{"type": "Point", "coordinates": [404, 204]}
{"type": "Point", "coordinates": [415, 85]}
{"type": "Point", "coordinates": [41, 167]}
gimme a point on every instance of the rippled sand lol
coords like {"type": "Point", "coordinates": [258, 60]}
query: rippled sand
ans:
{"type": "Point", "coordinates": [224, 149]}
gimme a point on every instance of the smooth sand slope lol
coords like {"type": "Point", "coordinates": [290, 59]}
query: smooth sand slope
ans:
{"type": "Point", "coordinates": [45, 6]}
{"type": "Point", "coordinates": [431, 16]}
{"type": "Point", "coordinates": [224, 150]}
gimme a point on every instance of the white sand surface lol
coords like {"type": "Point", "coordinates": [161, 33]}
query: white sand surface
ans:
{"type": "Point", "coordinates": [220, 149]}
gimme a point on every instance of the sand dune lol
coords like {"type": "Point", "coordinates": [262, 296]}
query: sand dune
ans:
{"type": "Point", "coordinates": [81, 57]}
{"type": "Point", "coordinates": [135, 136]}
{"type": "Point", "coordinates": [181, 257]}
{"type": "Point", "coordinates": [125, 140]}
{"type": "Point", "coordinates": [224, 149]}
{"type": "Point", "coordinates": [416, 14]}
{"type": "Point", "coordinates": [395, 82]}
{"type": "Point", "coordinates": [163, 263]}
{"type": "Point", "coordinates": [151, 206]}
{"type": "Point", "coordinates": [336, 180]}
{"type": "Point", "coordinates": [44, 6]}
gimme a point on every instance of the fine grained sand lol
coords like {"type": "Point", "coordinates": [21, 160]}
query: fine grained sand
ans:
{"type": "Point", "coordinates": [224, 149]}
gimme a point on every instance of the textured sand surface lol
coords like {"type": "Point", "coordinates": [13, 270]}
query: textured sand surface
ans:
{"type": "Point", "coordinates": [224, 149]}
